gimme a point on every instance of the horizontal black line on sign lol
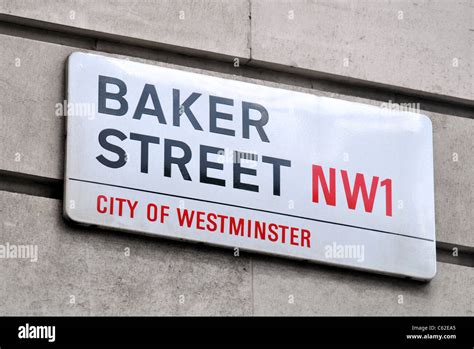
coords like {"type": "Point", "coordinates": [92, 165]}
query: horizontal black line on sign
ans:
{"type": "Point", "coordinates": [247, 208]}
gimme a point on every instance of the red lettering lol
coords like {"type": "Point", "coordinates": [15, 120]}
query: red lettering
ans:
{"type": "Point", "coordinates": [236, 229]}
{"type": "Point", "coordinates": [121, 201]}
{"type": "Point", "coordinates": [283, 232]}
{"type": "Point", "coordinates": [132, 207]}
{"type": "Point", "coordinates": [260, 230]}
{"type": "Point", "coordinates": [329, 193]}
{"type": "Point", "coordinates": [387, 183]}
{"type": "Point", "coordinates": [164, 212]}
{"type": "Point", "coordinates": [223, 219]}
{"type": "Point", "coordinates": [211, 222]}
{"type": "Point", "coordinates": [200, 220]}
{"type": "Point", "coordinates": [305, 238]}
{"type": "Point", "coordinates": [184, 217]}
{"type": "Point", "coordinates": [272, 231]}
{"type": "Point", "coordinates": [359, 184]}
{"type": "Point", "coordinates": [294, 236]}
{"type": "Point", "coordinates": [99, 199]}
{"type": "Point", "coordinates": [152, 212]}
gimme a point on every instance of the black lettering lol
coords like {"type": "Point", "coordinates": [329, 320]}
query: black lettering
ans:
{"type": "Point", "coordinates": [204, 164]}
{"type": "Point", "coordinates": [277, 163]}
{"type": "Point", "coordinates": [149, 91]}
{"type": "Point", "coordinates": [179, 108]}
{"type": "Point", "coordinates": [258, 124]}
{"type": "Point", "coordinates": [214, 115]}
{"type": "Point", "coordinates": [119, 96]}
{"type": "Point", "coordinates": [145, 141]}
{"type": "Point", "coordinates": [239, 170]}
{"type": "Point", "coordinates": [181, 162]}
{"type": "Point", "coordinates": [103, 135]}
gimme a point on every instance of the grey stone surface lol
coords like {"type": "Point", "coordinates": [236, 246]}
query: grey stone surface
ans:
{"type": "Point", "coordinates": [290, 288]}
{"type": "Point", "coordinates": [159, 277]}
{"type": "Point", "coordinates": [424, 45]}
{"type": "Point", "coordinates": [415, 45]}
{"type": "Point", "coordinates": [87, 271]}
{"type": "Point", "coordinates": [162, 277]}
{"type": "Point", "coordinates": [454, 178]}
{"type": "Point", "coordinates": [31, 84]}
{"type": "Point", "coordinates": [218, 27]}
{"type": "Point", "coordinates": [33, 134]}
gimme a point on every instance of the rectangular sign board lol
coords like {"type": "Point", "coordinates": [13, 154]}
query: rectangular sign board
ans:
{"type": "Point", "coordinates": [181, 155]}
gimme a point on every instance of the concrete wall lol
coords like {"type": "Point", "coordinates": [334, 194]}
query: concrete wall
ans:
{"type": "Point", "coordinates": [360, 51]}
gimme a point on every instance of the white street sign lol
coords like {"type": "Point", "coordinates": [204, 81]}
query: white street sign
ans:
{"type": "Point", "coordinates": [169, 153]}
